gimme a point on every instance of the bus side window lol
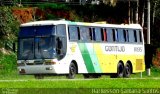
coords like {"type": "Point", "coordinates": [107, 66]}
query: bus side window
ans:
{"type": "Point", "coordinates": [61, 41]}
{"type": "Point", "coordinates": [121, 37]}
{"type": "Point", "coordinates": [139, 37]}
{"type": "Point", "coordinates": [61, 30]}
{"type": "Point", "coordinates": [98, 34]}
{"type": "Point", "coordinates": [73, 33]}
{"type": "Point", "coordinates": [109, 35]}
{"type": "Point", "coordinates": [84, 33]}
{"type": "Point", "coordinates": [131, 35]}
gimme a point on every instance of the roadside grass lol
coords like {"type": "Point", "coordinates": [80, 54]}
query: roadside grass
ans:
{"type": "Point", "coordinates": [81, 83]}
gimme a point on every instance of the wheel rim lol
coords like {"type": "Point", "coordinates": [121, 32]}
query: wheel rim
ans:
{"type": "Point", "coordinates": [72, 70]}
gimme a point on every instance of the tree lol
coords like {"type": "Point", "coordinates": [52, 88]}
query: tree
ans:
{"type": "Point", "coordinates": [8, 27]}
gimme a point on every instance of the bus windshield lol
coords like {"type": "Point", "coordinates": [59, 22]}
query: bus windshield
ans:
{"type": "Point", "coordinates": [37, 48]}
{"type": "Point", "coordinates": [36, 42]}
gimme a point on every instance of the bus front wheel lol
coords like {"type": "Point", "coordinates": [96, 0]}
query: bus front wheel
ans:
{"type": "Point", "coordinates": [72, 71]}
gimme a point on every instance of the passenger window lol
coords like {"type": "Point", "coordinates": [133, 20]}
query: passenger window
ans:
{"type": "Point", "coordinates": [84, 33]}
{"type": "Point", "coordinates": [139, 37]}
{"type": "Point", "coordinates": [61, 30]}
{"type": "Point", "coordinates": [121, 37]}
{"type": "Point", "coordinates": [98, 34]}
{"type": "Point", "coordinates": [73, 33]}
{"type": "Point", "coordinates": [131, 35]}
{"type": "Point", "coordinates": [109, 35]}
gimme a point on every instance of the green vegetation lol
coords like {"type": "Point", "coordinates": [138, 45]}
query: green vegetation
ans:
{"type": "Point", "coordinates": [8, 27]}
{"type": "Point", "coordinates": [7, 63]}
{"type": "Point", "coordinates": [80, 83]}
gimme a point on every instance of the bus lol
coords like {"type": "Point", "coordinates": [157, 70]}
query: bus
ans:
{"type": "Point", "coordinates": [61, 47]}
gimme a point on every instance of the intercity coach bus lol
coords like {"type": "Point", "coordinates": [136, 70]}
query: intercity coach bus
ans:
{"type": "Point", "coordinates": [61, 47]}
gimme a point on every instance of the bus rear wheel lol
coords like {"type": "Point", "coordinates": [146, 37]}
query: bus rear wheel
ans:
{"type": "Point", "coordinates": [127, 71]}
{"type": "Point", "coordinates": [120, 71]}
{"type": "Point", "coordinates": [72, 71]}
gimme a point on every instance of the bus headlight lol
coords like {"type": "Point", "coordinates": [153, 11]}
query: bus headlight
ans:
{"type": "Point", "coordinates": [21, 63]}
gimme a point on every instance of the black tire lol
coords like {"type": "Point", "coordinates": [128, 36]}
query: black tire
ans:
{"type": "Point", "coordinates": [72, 71]}
{"type": "Point", "coordinates": [120, 71]}
{"type": "Point", "coordinates": [38, 76]}
{"type": "Point", "coordinates": [127, 71]}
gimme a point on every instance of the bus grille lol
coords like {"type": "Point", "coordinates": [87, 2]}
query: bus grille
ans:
{"type": "Point", "coordinates": [35, 63]}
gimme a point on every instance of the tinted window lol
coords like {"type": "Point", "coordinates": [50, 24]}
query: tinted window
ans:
{"type": "Point", "coordinates": [131, 35]}
{"type": "Point", "coordinates": [139, 37]}
{"type": "Point", "coordinates": [73, 33]}
{"type": "Point", "coordinates": [109, 35]}
{"type": "Point", "coordinates": [32, 31]}
{"type": "Point", "coordinates": [121, 37]}
{"type": "Point", "coordinates": [84, 33]}
{"type": "Point", "coordinates": [61, 30]}
{"type": "Point", "coordinates": [98, 34]}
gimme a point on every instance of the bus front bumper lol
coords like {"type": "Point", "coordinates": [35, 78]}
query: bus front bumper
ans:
{"type": "Point", "coordinates": [43, 69]}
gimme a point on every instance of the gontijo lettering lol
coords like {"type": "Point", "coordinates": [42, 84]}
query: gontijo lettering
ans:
{"type": "Point", "coordinates": [115, 48]}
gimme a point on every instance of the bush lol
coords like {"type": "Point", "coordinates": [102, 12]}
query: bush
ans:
{"type": "Point", "coordinates": [7, 62]}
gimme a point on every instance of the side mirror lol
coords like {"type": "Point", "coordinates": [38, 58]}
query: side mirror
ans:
{"type": "Point", "coordinates": [58, 45]}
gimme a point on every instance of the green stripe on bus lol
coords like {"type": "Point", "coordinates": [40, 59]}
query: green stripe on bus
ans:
{"type": "Point", "coordinates": [86, 57]}
{"type": "Point", "coordinates": [94, 58]}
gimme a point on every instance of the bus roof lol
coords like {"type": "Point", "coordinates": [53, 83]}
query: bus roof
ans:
{"type": "Point", "coordinates": [56, 22]}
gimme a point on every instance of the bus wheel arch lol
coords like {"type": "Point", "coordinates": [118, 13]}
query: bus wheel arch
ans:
{"type": "Point", "coordinates": [128, 69]}
{"type": "Point", "coordinates": [73, 70]}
